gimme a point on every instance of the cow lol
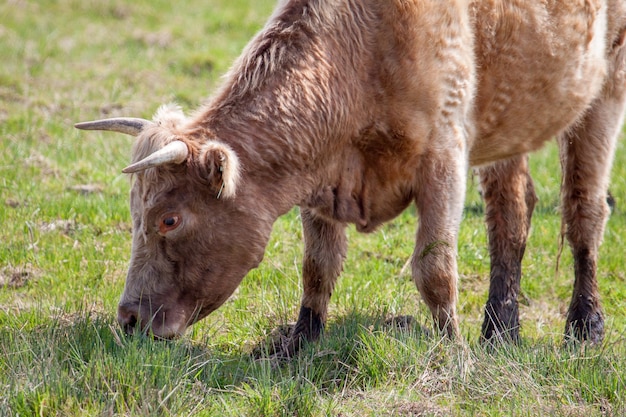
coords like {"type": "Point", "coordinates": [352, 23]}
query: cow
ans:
{"type": "Point", "coordinates": [355, 109]}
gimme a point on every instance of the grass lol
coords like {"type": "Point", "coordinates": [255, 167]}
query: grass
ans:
{"type": "Point", "coordinates": [66, 243]}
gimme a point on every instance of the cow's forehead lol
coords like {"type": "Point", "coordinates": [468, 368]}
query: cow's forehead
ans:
{"type": "Point", "coordinates": [157, 185]}
{"type": "Point", "coordinates": [151, 140]}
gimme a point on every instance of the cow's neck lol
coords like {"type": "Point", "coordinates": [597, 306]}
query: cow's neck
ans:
{"type": "Point", "coordinates": [282, 148]}
{"type": "Point", "coordinates": [283, 105]}
{"type": "Point", "coordinates": [279, 157]}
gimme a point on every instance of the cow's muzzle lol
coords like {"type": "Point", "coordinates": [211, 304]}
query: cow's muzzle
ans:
{"type": "Point", "coordinates": [161, 324]}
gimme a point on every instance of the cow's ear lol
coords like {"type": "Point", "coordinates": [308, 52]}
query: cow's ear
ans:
{"type": "Point", "coordinates": [219, 166]}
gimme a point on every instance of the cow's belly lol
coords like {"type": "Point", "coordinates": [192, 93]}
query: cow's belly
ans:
{"type": "Point", "coordinates": [533, 80]}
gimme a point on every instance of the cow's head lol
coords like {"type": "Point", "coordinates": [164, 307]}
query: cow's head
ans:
{"type": "Point", "coordinates": [197, 228]}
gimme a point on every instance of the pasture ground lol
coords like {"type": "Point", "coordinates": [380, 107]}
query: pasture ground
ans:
{"type": "Point", "coordinates": [65, 244]}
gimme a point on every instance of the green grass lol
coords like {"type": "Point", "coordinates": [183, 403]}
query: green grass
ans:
{"type": "Point", "coordinates": [65, 244]}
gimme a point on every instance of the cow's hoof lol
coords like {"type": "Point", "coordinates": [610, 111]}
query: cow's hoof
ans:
{"type": "Point", "coordinates": [492, 335]}
{"type": "Point", "coordinates": [286, 352]}
{"type": "Point", "coordinates": [588, 328]}
{"type": "Point", "coordinates": [281, 345]}
{"type": "Point", "coordinates": [273, 342]}
{"type": "Point", "coordinates": [501, 325]}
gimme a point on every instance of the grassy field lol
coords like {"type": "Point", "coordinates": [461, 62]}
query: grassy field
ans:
{"type": "Point", "coordinates": [65, 244]}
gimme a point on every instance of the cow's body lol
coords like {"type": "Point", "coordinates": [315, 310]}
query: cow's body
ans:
{"type": "Point", "coordinates": [354, 109]}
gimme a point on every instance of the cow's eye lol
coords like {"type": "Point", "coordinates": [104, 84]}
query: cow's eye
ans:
{"type": "Point", "coordinates": [169, 222]}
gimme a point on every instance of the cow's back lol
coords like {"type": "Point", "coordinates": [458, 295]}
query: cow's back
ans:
{"type": "Point", "coordinates": [540, 64]}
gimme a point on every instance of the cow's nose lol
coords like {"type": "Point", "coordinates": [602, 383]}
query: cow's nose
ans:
{"type": "Point", "coordinates": [127, 318]}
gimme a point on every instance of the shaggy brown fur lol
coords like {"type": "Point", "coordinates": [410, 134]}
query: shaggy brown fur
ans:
{"type": "Point", "coordinates": [354, 109]}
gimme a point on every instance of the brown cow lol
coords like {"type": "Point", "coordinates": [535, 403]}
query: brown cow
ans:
{"type": "Point", "coordinates": [354, 109]}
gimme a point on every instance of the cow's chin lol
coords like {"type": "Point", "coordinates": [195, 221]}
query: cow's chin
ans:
{"type": "Point", "coordinates": [166, 329]}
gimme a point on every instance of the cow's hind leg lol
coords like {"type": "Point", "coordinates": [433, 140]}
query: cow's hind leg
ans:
{"type": "Point", "coordinates": [510, 199]}
{"type": "Point", "coordinates": [586, 154]}
{"type": "Point", "coordinates": [324, 251]}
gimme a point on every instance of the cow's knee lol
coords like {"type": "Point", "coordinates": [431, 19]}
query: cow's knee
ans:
{"type": "Point", "coordinates": [435, 274]}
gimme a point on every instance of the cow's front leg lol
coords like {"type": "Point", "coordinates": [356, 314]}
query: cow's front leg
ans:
{"type": "Point", "coordinates": [510, 198]}
{"type": "Point", "coordinates": [440, 205]}
{"type": "Point", "coordinates": [324, 251]}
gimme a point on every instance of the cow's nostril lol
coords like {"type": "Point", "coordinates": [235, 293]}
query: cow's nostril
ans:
{"type": "Point", "coordinates": [130, 325]}
{"type": "Point", "coordinates": [127, 318]}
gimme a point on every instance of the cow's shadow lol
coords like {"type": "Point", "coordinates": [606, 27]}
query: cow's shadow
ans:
{"type": "Point", "coordinates": [350, 327]}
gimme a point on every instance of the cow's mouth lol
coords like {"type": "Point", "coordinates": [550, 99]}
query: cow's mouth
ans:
{"type": "Point", "coordinates": [160, 322]}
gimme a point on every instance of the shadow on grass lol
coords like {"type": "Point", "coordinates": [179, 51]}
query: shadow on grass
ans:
{"type": "Point", "coordinates": [347, 327]}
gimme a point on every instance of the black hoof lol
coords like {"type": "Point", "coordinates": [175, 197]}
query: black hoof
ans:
{"type": "Point", "coordinates": [501, 324]}
{"type": "Point", "coordinates": [588, 328]}
{"type": "Point", "coordinates": [285, 341]}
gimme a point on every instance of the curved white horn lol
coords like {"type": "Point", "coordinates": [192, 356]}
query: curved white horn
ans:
{"type": "Point", "coordinates": [127, 125]}
{"type": "Point", "coordinates": [173, 153]}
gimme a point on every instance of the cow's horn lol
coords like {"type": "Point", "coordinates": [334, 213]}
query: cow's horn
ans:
{"type": "Point", "coordinates": [128, 125]}
{"type": "Point", "coordinates": [173, 153]}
